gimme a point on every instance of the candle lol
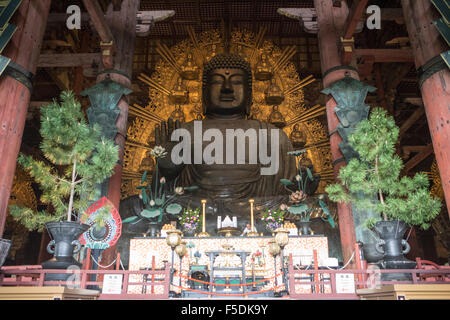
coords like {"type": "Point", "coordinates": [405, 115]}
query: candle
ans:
{"type": "Point", "coordinates": [235, 222]}
{"type": "Point", "coordinates": [204, 218]}
{"type": "Point", "coordinates": [219, 221]}
{"type": "Point", "coordinates": [251, 214]}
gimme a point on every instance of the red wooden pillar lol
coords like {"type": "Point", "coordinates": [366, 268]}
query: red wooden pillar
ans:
{"type": "Point", "coordinates": [427, 44]}
{"type": "Point", "coordinates": [23, 49]}
{"type": "Point", "coordinates": [123, 27]}
{"type": "Point", "coordinates": [333, 71]}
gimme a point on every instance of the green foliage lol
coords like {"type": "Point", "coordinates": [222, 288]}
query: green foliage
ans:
{"type": "Point", "coordinates": [377, 172]}
{"type": "Point", "coordinates": [370, 223]}
{"type": "Point", "coordinates": [173, 208]}
{"type": "Point", "coordinates": [81, 158]}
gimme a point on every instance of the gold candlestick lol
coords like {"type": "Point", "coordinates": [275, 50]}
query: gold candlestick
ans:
{"type": "Point", "coordinates": [252, 232]}
{"type": "Point", "coordinates": [203, 233]}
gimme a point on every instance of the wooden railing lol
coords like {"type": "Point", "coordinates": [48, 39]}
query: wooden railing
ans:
{"type": "Point", "coordinates": [322, 283]}
{"type": "Point", "coordinates": [316, 282]}
{"type": "Point", "coordinates": [81, 279]}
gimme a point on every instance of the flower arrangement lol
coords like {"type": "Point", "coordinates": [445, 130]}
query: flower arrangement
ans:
{"type": "Point", "coordinates": [190, 220]}
{"type": "Point", "coordinates": [273, 219]}
{"type": "Point", "coordinates": [300, 204]}
{"type": "Point", "coordinates": [256, 258]}
{"type": "Point", "coordinates": [154, 194]}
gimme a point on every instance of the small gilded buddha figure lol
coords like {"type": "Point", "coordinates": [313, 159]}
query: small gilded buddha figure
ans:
{"type": "Point", "coordinates": [276, 118]}
{"type": "Point", "coordinates": [298, 137]}
{"type": "Point", "coordinates": [263, 70]}
{"type": "Point", "coordinates": [189, 69]}
{"type": "Point", "coordinates": [274, 95]}
{"type": "Point", "coordinates": [180, 94]}
{"type": "Point", "coordinates": [178, 114]}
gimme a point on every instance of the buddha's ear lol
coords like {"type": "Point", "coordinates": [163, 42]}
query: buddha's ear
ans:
{"type": "Point", "coordinates": [248, 109]}
{"type": "Point", "coordinates": [249, 104]}
{"type": "Point", "coordinates": [204, 102]}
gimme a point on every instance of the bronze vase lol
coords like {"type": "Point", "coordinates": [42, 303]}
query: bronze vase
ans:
{"type": "Point", "coordinates": [63, 246]}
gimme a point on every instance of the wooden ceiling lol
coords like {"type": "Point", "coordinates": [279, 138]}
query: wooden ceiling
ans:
{"type": "Point", "coordinates": [246, 14]}
{"type": "Point", "coordinates": [399, 79]}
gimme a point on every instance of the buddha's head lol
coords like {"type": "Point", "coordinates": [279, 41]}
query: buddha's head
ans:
{"type": "Point", "coordinates": [227, 86]}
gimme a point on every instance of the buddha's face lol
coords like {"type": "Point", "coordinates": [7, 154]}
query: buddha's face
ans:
{"type": "Point", "coordinates": [227, 91]}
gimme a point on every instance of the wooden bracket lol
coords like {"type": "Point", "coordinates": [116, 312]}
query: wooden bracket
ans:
{"type": "Point", "coordinates": [348, 46]}
{"type": "Point", "coordinates": [107, 53]}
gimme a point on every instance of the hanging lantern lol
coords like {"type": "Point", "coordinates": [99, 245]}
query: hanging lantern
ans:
{"type": "Point", "coordinates": [181, 249]}
{"type": "Point", "coordinates": [282, 237]}
{"type": "Point", "coordinates": [274, 248]}
{"type": "Point", "coordinates": [173, 238]}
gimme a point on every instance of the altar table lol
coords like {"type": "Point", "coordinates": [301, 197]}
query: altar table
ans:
{"type": "Point", "coordinates": [259, 262]}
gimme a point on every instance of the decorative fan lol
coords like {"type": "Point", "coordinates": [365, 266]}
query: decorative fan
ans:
{"type": "Point", "coordinates": [105, 236]}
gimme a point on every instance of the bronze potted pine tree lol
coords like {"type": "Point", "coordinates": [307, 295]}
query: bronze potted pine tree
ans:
{"type": "Point", "coordinates": [400, 201]}
{"type": "Point", "coordinates": [78, 158]}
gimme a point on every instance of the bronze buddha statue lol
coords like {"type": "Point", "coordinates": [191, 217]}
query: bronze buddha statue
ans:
{"type": "Point", "coordinates": [227, 97]}
{"type": "Point", "coordinates": [233, 177]}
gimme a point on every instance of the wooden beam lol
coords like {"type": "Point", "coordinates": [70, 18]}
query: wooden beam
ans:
{"type": "Point", "coordinates": [418, 158]}
{"type": "Point", "coordinates": [392, 14]}
{"type": "Point", "coordinates": [356, 14]}
{"type": "Point", "coordinates": [68, 60]}
{"type": "Point", "coordinates": [366, 67]}
{"type": "Point", "coordinates": [380, 86]}
{"type": "Point", "coordinates": [386, 55]}
{"type": "Point", "coordinates": [417, 101]}
{"type": "Point", "coordinates": [37, 104]}
{"type": "Point", "coordinates": [61, 18]}
{"type": "Point", "coordinates": [411, 120]}
{"type": "Point", "coordinates": [101, 25]}
{"type": "Point", "coordinates": [98, 19]}
{"type": "Point", "coordinates": [406, 150]}
{"type": "Point", "coordinates": [60, 77]}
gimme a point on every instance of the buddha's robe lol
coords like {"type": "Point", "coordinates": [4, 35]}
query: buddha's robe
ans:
{"type": "Point", "coordinates": [239, 181]}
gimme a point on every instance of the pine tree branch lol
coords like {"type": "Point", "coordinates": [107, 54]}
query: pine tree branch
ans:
{"type": "Point", "coordinates": [379, 190]}
{"type": "Point", "coordinates": [79, 181]}
{"type": "Point", "coordinates": [72, 191]}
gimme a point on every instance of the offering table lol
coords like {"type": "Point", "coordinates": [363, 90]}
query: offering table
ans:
{"type": "Point", "coordinates": [257, 263]}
